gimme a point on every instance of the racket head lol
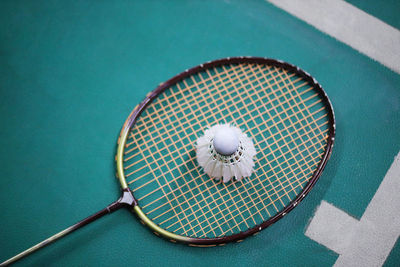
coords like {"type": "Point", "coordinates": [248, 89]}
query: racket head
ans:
{"type": "Point", "coordinates": [290, 77]}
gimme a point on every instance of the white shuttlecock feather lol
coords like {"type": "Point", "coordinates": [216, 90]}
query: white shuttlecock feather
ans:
{"type": "Point", "coordinates": [224, 151]}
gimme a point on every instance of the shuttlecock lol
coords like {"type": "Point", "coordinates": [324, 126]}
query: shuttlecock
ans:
{"type": "Point", "coordinates": [224, 151]}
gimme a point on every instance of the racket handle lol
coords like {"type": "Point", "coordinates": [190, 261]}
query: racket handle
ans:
{"type": "Point", "coordinates": [126, 199]}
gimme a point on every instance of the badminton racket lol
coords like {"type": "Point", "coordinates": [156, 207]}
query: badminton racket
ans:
{"type": "Point", "coordinates": [282, 108]}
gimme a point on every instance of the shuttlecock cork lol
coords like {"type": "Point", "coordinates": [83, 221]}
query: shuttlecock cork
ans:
{"type": "Point", "coordinates": [224, 151]}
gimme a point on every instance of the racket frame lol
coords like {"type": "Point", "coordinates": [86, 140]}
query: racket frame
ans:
{"type": "Point", "coordinates": [205, 242]}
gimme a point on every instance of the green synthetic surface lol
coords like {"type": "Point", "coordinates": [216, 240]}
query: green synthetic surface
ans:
{"type": "Point", "coordinates": [70, 73]}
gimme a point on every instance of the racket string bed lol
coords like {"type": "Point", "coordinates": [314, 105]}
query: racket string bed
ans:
{"type": "Point", "coordinates": [240, 93]}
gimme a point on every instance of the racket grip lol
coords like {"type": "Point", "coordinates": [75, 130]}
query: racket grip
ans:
{"type": "Point", "coordinates": [126, 199]}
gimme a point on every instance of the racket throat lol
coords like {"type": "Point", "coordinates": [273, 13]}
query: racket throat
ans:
{"type": "Point", "coordinates": [126, 199]}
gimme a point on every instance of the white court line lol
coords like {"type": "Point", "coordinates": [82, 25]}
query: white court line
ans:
{"type": "Point", "coordinates": [350, 25]}
{"type": "Point", "coordinates": [332, 227]}
{"type": "Point", "coordinates": [369, 241]}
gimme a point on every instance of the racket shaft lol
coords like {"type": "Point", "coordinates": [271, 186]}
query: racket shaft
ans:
{"type": "Point", "coordinates": [114, 206]}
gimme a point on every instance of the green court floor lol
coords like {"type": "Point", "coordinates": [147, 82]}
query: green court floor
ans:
{"type": "Point", "coordinates": [70, 74]}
